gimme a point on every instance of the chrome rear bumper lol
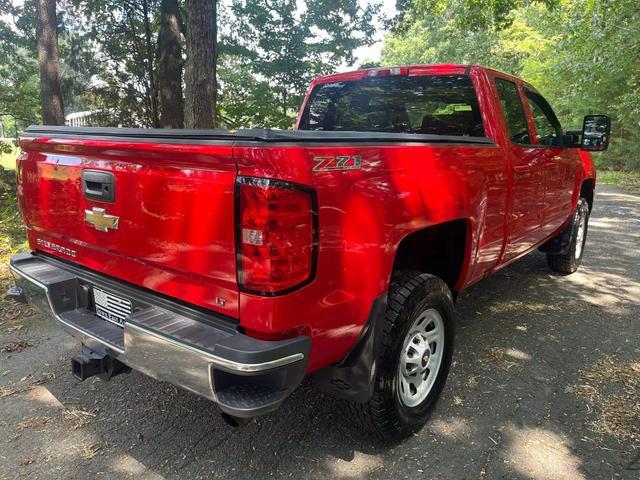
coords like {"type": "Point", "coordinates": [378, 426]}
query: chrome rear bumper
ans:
{"type": "Point", "coordinates": [168, 341]}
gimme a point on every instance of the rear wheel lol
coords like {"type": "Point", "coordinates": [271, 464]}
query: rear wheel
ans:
{"type": "Point", "coordinates": [569, 262]}
{"type": "Point", "coordinates": [415, 355]}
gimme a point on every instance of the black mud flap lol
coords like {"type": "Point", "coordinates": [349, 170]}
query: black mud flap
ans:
{"type": "Point", "coordinates": [352, 378]}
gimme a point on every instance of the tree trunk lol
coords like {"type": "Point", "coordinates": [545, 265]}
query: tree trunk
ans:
{"type": "Point", "coordinates": [170, 66]}
{"type": "Point", "coordinates": [49, 62]}
{"type": "Point", "coordinates": [200, 69]}
{"type": "Point", "coordinates": [153, 91]}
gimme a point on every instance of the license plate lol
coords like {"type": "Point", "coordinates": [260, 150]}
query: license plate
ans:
{"type": "Point", "coordinates": [110, 307]}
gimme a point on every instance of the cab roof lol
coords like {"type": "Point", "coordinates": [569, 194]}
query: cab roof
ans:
{"type": "Point", "coordinates": [410, 70]}
{"type": "Point", "coordinates": [413, 70]}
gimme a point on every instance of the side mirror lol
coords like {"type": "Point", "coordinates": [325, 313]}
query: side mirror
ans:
{"type": "Point", "coordinates": [595, 133]}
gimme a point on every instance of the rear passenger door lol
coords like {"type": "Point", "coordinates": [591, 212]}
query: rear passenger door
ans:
{"type": "Point", "coordinates": [557, 160]}
{"type": "Point", "coordinates": [525, 212]}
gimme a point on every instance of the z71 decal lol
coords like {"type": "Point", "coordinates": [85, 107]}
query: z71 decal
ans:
{"type": "Point", "coordinates": [339, 162]}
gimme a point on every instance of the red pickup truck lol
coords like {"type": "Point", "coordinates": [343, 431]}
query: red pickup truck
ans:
{"type": "Point", "coordinates": [234, 264]}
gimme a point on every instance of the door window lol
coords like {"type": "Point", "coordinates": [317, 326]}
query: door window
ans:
{"type": "Point", "coordinates": [513, 110]}
{"type": "Point", "coordinates": [548, 128]}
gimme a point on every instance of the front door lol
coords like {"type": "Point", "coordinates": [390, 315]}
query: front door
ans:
{"type": "Point", "coordinates": [557, 161]}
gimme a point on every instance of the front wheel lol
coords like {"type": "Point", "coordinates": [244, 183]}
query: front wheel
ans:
{"type": "Point", "coordinates": [569, 262]}
{"type": "Point", "coordinates": [415, 355]}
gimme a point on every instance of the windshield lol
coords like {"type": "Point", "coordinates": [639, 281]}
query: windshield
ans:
{"type": "Point", "coordinates": [440, 105]}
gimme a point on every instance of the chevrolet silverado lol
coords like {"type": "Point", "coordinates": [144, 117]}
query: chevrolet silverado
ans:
{"type": "Point", "coordinates": [234, 264]}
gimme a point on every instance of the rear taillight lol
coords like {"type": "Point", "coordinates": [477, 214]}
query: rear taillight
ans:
{"type": "Point", "coordinates": [277, 236]}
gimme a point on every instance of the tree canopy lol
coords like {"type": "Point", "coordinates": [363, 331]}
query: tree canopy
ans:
{"type": "Point", "coordinates": [584, 55]}
{"type": "Point", "coordinates": [123, 60]}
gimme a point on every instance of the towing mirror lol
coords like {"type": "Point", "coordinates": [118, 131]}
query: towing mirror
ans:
{"type": "Point", "coordinates": [595, 133]}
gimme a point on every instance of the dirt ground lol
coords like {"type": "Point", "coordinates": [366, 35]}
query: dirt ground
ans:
{"type": "Point", "coordinates": [545, 385]}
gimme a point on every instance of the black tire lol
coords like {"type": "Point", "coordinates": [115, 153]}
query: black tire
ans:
{"type": "Point", "coordinates": [410, 295]}
{"type": "Point", "coordinates": [569, 262]}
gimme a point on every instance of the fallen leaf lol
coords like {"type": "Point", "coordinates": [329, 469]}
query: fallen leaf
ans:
{"type": "Point", "coordinates": [16, 347]}
{"type": "Point", "coordinates": [496, 354]}
{"type": "Point", "coordinates": [33, 422]}
{"type": "Point", "coordinates": [78, 418]}
{"type": "Point", "coordinates": [44, 378]}
{"type": "Point", "coordinates": [6, 391]}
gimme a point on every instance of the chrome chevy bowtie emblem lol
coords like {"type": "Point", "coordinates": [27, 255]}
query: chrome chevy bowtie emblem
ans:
{"type": "Point", "coordinates": [100, 220]}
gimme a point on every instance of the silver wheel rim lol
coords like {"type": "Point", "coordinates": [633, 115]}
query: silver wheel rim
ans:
{"type": "Point", "coordinates": [421, 358]}
{"type": "Point", "coordinates": [582, 226]}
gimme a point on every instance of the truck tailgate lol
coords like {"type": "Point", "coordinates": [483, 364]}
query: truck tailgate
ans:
{"type": "Point", "coordinates": [169, 227]}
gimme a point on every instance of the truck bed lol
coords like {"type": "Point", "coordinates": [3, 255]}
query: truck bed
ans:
{"type": "Point", "coordinates": [173, 199]}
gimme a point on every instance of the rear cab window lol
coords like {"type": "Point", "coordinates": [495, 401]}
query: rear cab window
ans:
{"type": "Point", "coordinates": [437, 104]}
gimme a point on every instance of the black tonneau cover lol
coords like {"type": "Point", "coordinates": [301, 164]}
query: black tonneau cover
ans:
{"type": "Point", "coordinates": [245, 135]}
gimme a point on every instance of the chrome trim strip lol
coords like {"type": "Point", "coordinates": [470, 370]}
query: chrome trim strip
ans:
{"type": "Point", "coordinates": [214, 359]}
{"type": "Point", "coordinates": [58, 317]}
{"type": "Point", "coordinates": [219, 361]}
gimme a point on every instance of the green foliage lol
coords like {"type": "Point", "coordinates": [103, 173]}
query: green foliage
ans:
{"type": "Point", "coordinates": [629, 181]}
{"type": "Point", "coordinates": [19, 81]}
{"type": "Point", "coordinates": [245, 100]}
{"type": "Point", "coordinates": [8, 149]}
{"type": "Point", "coordinates": [474, 15]}
{"type": "Point", "coordinates": [582, 55]}
{"type": "Point", "coordinates": [123, 57]}
{"type": "Point", "coordinates": [269, 52]}
{"type": "Point", "coordinates": [12, 229]}
{"type": "Point", "coordinates": [19, 75]}
{"type": "Point", "coordinates": [274, 50]}
{"type": "Point", "coordinates": [8, 155]}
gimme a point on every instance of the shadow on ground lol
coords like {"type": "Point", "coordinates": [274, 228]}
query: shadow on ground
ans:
{"type": "Point", "coordinates": [508, 411]}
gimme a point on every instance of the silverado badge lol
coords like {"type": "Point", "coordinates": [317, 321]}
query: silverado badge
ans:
{"type": "Point", "coordinates": [339, 162]}
{"type": "Point", "coordinates": [100, 220]}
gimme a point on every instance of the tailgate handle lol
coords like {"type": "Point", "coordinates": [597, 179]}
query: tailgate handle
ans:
{"type": "Point", "coordinates": [98, 185]}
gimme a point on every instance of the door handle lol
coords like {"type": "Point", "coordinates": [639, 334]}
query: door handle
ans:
{"type": "Point", "coordinates": [553, 163]}
{"type": "Point", "coordinates": [98, 185]}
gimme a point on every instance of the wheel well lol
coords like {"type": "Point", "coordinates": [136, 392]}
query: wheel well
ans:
{"type": "Point", "coordinates": [586, 191]}
{"type": "Point", "coordinates": [438, 250]}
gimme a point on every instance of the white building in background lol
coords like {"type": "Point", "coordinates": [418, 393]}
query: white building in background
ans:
{"type": "Point", "coordinates": [82, 119]}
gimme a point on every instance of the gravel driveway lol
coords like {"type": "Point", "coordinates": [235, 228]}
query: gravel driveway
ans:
{"type": "Point", "coordinates": [545, 385]}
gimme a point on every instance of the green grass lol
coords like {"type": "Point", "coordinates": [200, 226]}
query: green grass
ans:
{"type": "Point", "coordinates": [629, 181]}
{"type": "Point", "coordinates": [12, 230]}
{"type": "Point", "coordinates": [12, 238]}
{"type": "Point", "coordinates": [8, 159]}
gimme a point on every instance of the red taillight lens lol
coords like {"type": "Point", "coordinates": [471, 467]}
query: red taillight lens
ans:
{"type": "Point", "coordinates": [277, 235]}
